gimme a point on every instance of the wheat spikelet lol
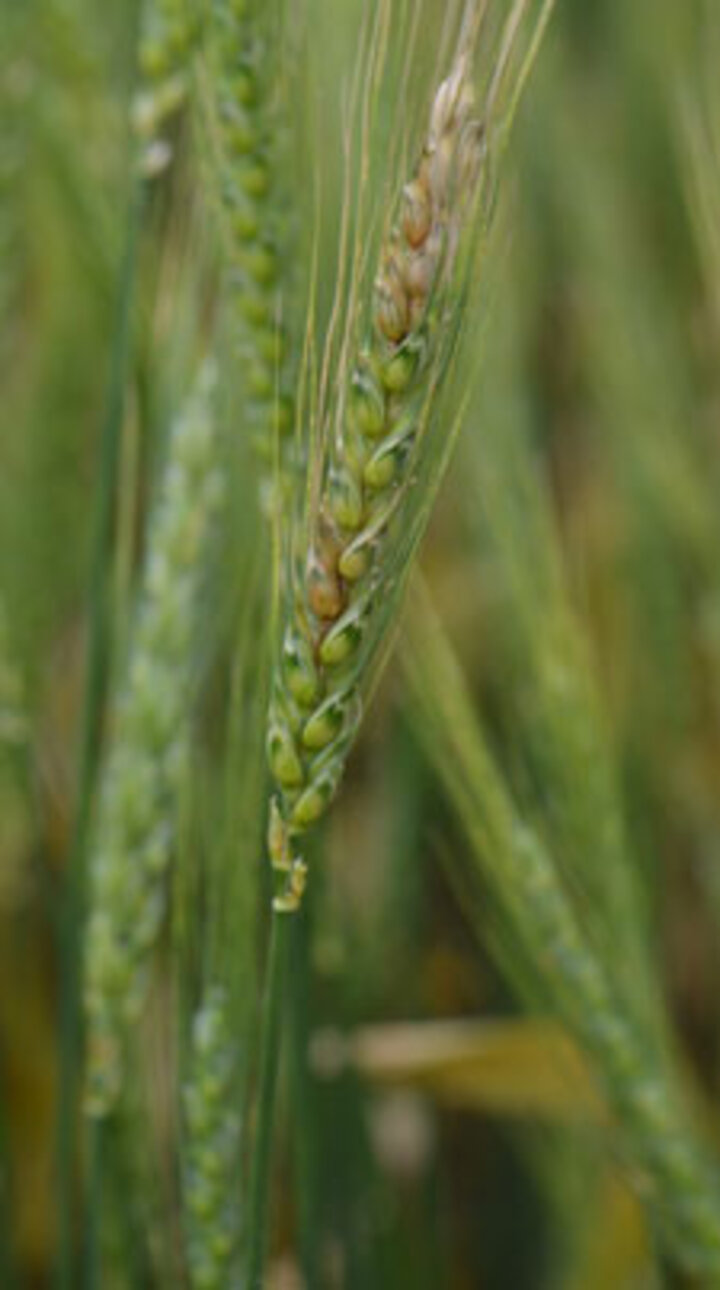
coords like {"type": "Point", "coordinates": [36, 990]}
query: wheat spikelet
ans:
{"type": "Point", "coordinates": [170, 34]}
{"type": "Point", "coordinates": [133, 837]}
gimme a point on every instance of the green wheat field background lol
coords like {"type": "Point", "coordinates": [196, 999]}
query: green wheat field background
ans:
{"type": "Point", "coordinates": [359, 644]}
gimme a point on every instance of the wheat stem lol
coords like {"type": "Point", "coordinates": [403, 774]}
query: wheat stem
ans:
{"type": "Point", "coordinates": [302, 1094]}
{"type": "Point", "coordinates": [281, 930]}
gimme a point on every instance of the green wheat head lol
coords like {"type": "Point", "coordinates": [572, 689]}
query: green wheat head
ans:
{"type": "Point", "coordinates": [134, 833]}
{"type": "Point", "coordinates": [378, 442]}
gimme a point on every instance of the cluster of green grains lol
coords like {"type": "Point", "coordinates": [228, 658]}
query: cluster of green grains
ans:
{"type": "Point", "coordinates": [134, 829]}
{"type": "Point", "coordinates": [170, 33]}
{"type": "Point", "coordinates": [369, 468]}
{"type": "Point", "coordinates": [246, 131]}
{"type": "Point", "coordinates": [212, 1144]}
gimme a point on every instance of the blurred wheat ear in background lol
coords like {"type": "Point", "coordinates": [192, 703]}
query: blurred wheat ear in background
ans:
{"type": "Point", "coordinates": [359, 645]}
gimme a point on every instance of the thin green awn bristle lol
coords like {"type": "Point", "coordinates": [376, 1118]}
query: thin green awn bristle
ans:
{"type": "Point", "coordinates": [245, 124]}
{"type": "Point", "coordinates": [367, 470]}
{"type": "Point", "coordinates": [212, 1142]}
{"type": "Point", "coordinates": [134, 830]}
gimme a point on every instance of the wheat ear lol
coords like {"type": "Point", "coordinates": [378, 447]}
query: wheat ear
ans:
{"type": "Point", "coordinates": [368, 470]}
{"type": "Point", "coordinates": [134, 829]}
{"type": "Point", "coordinates": [672, 1169]}
{"type": "Point", "coordinates": [212, 1144]}
{"type": "Point", "coordinates": [240, 93]}
{"type": "Point", "coordinates": [375, 463]}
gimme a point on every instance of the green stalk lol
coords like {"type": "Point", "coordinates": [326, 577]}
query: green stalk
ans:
{"type": "Point", "coordinates": [98, 666]}
{"type": "Point", "coordinates": [270, 1044]}
{"type": "Point", "coordinates": [305, 1125]}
